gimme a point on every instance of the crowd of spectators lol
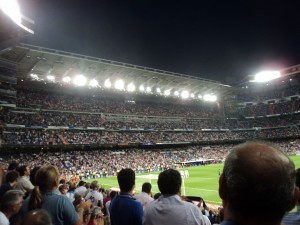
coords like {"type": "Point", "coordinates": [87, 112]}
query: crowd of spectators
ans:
{"type": "Point", "coordinates": [49, 100]}
{"type": "Point", "coordinates": [108, 162]}
{"type": "Point", "coordinates": [254, 96]}
{"type": "Point", "coordinates": [83, 137]}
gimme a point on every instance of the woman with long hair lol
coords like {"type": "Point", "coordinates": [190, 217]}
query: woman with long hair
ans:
{"type": "Point", "coordinates": [44, 196]}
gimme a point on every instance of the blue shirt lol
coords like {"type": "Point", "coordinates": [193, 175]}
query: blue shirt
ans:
{"type": "Point", "coordinates": [125, 210]}
{"type": "Point", "coordinates": [292, 218]}
{"type": "Point", "coordinates": [59, 207]}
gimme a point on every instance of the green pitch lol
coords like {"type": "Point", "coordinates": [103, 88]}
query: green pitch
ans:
{"type": "Point", "coordinates": [203, 181]}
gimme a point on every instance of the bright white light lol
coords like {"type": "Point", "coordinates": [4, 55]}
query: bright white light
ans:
{"type": "Point", "coordinates": [192, 95]}
{"type": "Point", "coordinates": [80, 80]}
{"type": "Point", "coordinates": [167, 92]}
{"type": "Point", "coordinates": [158, 90]}
{"type": "Point", "coordinates": [142, 88]}
{"type": "Point", "coordinates": [34, 76]}
{"type": "Point", "coordinates": [148, 89]}
{"type": "Point", "coordinates": [200, 96]}
{"type": "Point", "coordinates": [67, 79]}
{"type": "Point", "coordinates": [93, 83]}
{"type": "Point", "coordinates": [107, 83]}
{"type": "Point", "coordinates": [210, 98]}
{"type": "Point", "coordinates": [131, 87]}
{"type": "Point", "coordinates": [184, 94]}
{"type": "Point", "coordinates": [11, 9]}
{"type": "Point", "coordinates": [50, 77]}
{"type": "Point", "coordinates": [119, 84]}
{"type": "Point", "coordinates": [266, 76]}
{"type": "Point", "coordinates": [176, 93]}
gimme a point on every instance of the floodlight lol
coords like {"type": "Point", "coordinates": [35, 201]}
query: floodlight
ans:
{"type": "Point", "coordinates": [107, 83]}
{"type": "Point", "coordinates": [192, 95]}
{"type": "Point", "coordinates": [176, 93]}
{"type": "Point", "coordinates": [50, 77]}
{"type": "Point", "coordinates": [80, 80]}
{"type": "Point", "coordinates": [266, 76]}
{"type": "Point", "coordinates": [167, 92]}
{"type": "Point", "coordinates": [66, 79]}
{"type": "Point", "coordinates": [119, 84]}
{"type": "Point", "coordinates": [148, 89]}
{"type": "Point", "coordinates": [130, 87]}
{"type": "Point", "coordinates": [200, 96]}
{"type": "Point", "coordinates": [158, 90]}
{"type": "Point", "coordinates": [142, 88]}
{"type": "Point", "coordinates": [12, 10]}
{"type": "Point", "coordinates": [34, 76]}
{"type": "Point", "coordinates": [184, 94]}
{"type": "Point", "coordinates": [93, 83]}
{"type": "Point", "coordinates": [210, 98]}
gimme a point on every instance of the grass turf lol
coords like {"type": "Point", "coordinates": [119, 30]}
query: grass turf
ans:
{"type": "Point", "coordinates": [203, 181]}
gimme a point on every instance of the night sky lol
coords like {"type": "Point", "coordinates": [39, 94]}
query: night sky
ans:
{"type": "Point", "coordinates": [221, 40]}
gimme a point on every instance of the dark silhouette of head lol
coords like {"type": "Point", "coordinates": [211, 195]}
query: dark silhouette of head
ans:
{"type": "Point", "coordinates": [126, 180]}
{"type": "Point", "coordinates": [169, 182]}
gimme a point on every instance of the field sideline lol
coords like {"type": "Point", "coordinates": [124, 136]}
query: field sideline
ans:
{"type": "Point", "coordinates": [203, 181]}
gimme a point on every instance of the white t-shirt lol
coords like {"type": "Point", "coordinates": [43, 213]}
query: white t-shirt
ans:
{"type": "Point", "coordinates": [3, 219]}
{"type": "Point", "coordinates": [95, 196]}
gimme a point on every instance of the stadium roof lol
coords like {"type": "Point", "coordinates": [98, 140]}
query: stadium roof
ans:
{"type": "Point", "coordinates": [41, 61]}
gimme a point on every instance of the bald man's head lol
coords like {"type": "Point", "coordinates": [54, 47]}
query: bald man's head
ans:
{"type": "Point", "coordinates": [258, 181]}
{"type": "Point", "coordinates": [37, 217]}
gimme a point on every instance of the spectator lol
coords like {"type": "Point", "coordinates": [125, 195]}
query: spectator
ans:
{"type": "Point", "coordinates": [112, 194]}
{"type": "Point", "coordinates": [157, 195]}
{"type": "Point", "coordinates": [24, 183]}
{"type": "Point", "coordinates": [32, 174]}
{"type": "Point", "coordinates": [12, 166]}
{"type": "Point", "coordinates": [81, 189]}
{"type": "Point", "coordinates": [145, 196]}
{"type": "Point", "coordinates": [124, 209]}
{"type": "Point", "coordinates": [59, 207]}
{"type": "Point", "coordinates": [70, 194]}
{"type": "Point", "coordinates": [96, 217]}
{"type": "Point", "coordinates": [294, 217]}
{"type": "Point", "coordinates": [63, 188]}
{"type": "Point", "coordinates": [94, 195]}
{"type": "Point", "coordinates": [10, 205]}
{"type": "Point", "coordinates": [11, 179]}
{"type": "Point", "coordinates": [37, 217]}
{"type": "Point", "coordinates": [170, 208]}
{"type": "Point", "coordinates": [257, 185]}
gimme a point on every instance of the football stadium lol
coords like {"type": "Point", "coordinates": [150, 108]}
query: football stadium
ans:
{"type": "Point", "coordinates": [83, 120]}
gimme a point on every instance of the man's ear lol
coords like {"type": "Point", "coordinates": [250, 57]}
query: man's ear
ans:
{"type": "Point", "coordinates": [222, 187]}
{"type": "Point", "coordinates": [295, 199]}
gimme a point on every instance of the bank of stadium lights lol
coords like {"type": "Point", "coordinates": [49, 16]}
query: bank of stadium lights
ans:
{"type": "Point", "coordinates": [185, 94]}
{"type": "Point", "coordinates": [119, 85]}
{"type": "Point", "coordinates": [51, 77]}
{"type": "Point", "coordinates": [107, 83]}
{"type": "Point", "coordinates": [34, 76]}
{"type": "Point", "coordinates": [94, 83]}
{"type": "Point", "coordinates": [192, 95]}
{"type": "Point", "coordinates": [176, 93]}
{"type": "Point", "coordinates": [67, 79]}
{"type": "Point", "coordinates": [158, 91]}
{"type": "Point", "coordinates": [142, 88]}
{"type": "Point", "coordinates": [80, 80]}
{"type": "Point", "coordinates": [148, 89]}
{"type": "Point", "coordinates": [12, 10]}
{"type": "Point", "coordinates": [209, 98]}
{"type": "Point", "coordinates": [167, 92]}
{"type": "Point", "coordinates": [131, 87]}
{"type": "Point", "coordinates": [266, 76]}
